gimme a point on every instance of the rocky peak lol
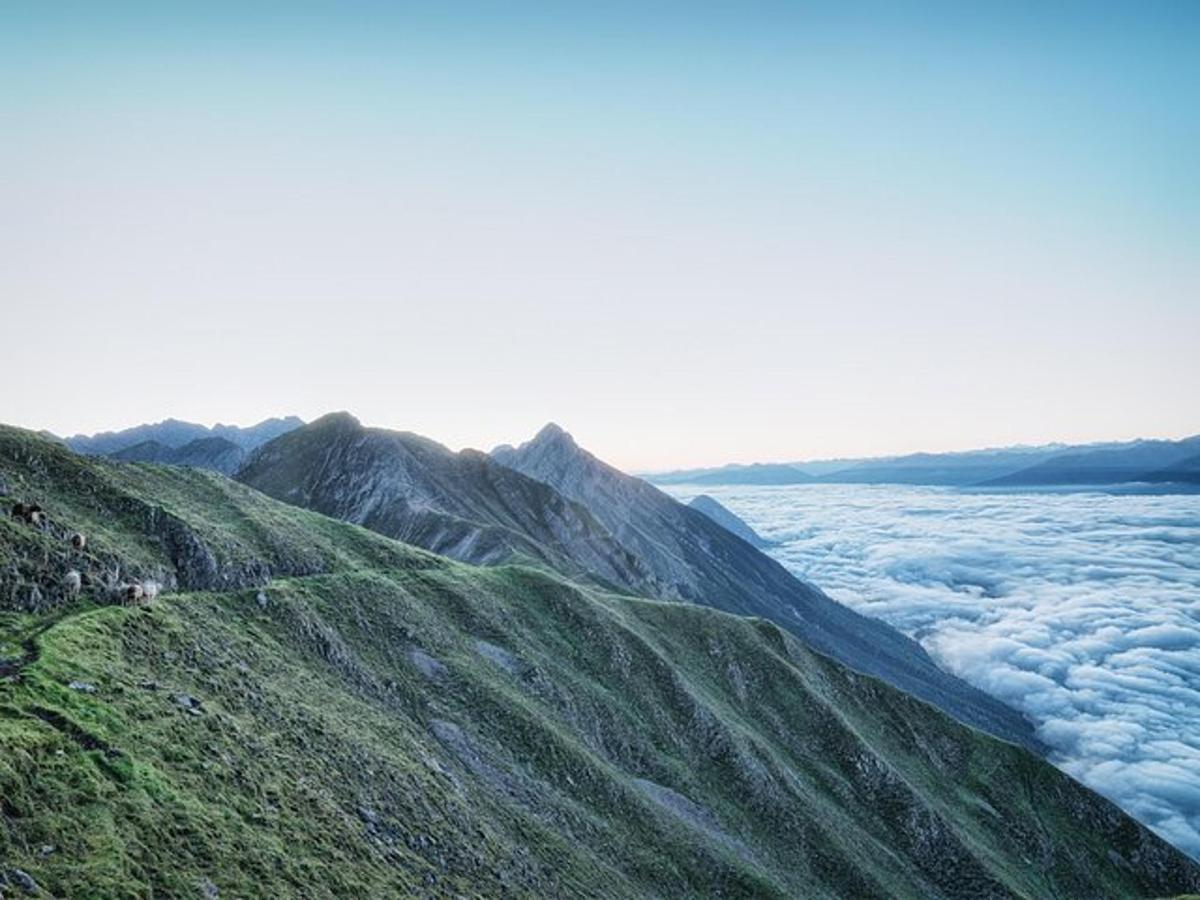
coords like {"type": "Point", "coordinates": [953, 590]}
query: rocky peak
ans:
{"type": "Point", "coordinates": [551, 450]}
{"type": "Point", "coordinates": [341, 420]}
{"type": "Point", "coordinates": [552, 437]}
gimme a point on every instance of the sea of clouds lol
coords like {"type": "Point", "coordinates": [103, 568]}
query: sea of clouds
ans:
{"type": "Point", "coordinates": [1081, 609]}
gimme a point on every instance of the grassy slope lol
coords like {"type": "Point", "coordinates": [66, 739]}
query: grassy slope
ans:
{"type": "Point", "coordinates": [356, 739]}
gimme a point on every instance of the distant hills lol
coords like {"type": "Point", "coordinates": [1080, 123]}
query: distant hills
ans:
{"type": "Point", "coordinates": [1159, 462]}
{"type": "Point", "coordinates": [174, 434]}
{"type": "Point", "coordinates": [1136, 462]}
{"type": "Point", "coordinates": [1185, 471]}
{"type": "Point", "coordinates": [216, 453]}
{"type": "Point", "coordinates": [755, 473]}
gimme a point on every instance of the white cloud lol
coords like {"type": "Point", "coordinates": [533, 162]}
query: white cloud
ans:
{"type": "Point", "coordinates": [1083, 610]}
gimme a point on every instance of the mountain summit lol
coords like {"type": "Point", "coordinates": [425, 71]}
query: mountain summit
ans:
{"type": "Point", "coordinates": [463, 505]}
{"type": "Point", "coordinates": [551, 439]}
{"type": "Point", "coordinates": [692, 558]}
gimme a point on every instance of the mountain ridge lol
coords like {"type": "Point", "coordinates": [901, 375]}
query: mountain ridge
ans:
{"type": "Point", "coordinates": [217, 453]}
{"type": "Point", "coordinates": [409, 487]}
{"type": "Point", "coordinates": [321, 711]}
{"type": "Point", "coordinates": [999, 466]}
{"type": "Point", "coordinates": [175, 433]}
{"type": "Point", "coordinates": [729, 520]}
{"type": "Point", "coordinates": [696, 560]}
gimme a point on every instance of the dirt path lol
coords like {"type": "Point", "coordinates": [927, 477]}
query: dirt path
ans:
{"type": "Point", "coordinates": [31, 651]}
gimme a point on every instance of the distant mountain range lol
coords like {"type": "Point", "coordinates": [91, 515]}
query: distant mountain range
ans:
{"type": "Point", "coordinates": [1160, 462]}
{"type": "Point", "coordinates": [174, 434]}
{"type": "Point", "coordinates": [1137, 462]}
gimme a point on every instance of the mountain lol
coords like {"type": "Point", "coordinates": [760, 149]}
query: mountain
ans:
{"type": "Point", "coordinates": [755, 473]}
{"type": "Point", "coordinates": [1115, 465]}
{"type": "Point", "coordinates": [694, 559]}
{"type": "Point", "coordinates": [728, 520]}
{"type": "Point", "coordinates": [1047, 465]}
{"type": "Point", "coordinates": [959, 468]}
{"type": "Point", "coordinates": [310, 709]}
{"type": "Point", "coordinates": [216, 453]}
{"type": "Point", "coordinates": [146, 451]}
{"type": "Point", "coordinates": [948, 469]}
{"type": "Point", "coordinates": [735, 473]}
{"type": "Point", "coordinates": [1185, 471]}
{"type": "Point", "coordinates": [1051, 464]}
{"type": "Point", "coordinates": [463, 505]}
{"type": "Point", "coordinates": [174, 434]}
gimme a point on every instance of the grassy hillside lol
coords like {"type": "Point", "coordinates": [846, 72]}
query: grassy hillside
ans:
{"type": "Point", "coordinates": [313, 710]}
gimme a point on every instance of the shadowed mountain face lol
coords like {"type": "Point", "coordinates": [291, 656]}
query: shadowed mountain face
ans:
{"type": "Point", "coordinates": [1140, 461]}
{"type": "Point", "coordinates": [963, 468]}
{"type": "Point", "coordinates": [951, 469]}
{"type": "Point", "coordinates": [1051, 465]}
{"type": "Point", "coordinates": [728, 520]}
{"type": "Point", "coordinates": [310, 709]}
{"type": "Point", "coordinates": [175, 434]}
{"type": "Point", "coordinates": [1186, 471]}
{"type": "Point", "coordinates": [218, 454]}
{"type": "Point", "coordinates": [694, 559]}
{"type": "Point", "coordinates": [462, 505]}
{"type": "Point", "coordinates": [755, 473]}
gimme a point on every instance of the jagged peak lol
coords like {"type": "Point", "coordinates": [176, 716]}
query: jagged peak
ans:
{"type": "Point", "coordinates": [553, 434]}
{"type": "Point", "coordinates": [552, 442]}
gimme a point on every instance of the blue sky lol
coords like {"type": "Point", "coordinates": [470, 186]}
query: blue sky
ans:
{"type": "Point", "coordinates": [691, 233]}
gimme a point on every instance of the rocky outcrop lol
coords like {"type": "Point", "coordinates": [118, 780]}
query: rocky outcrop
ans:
{"type": "Point", "coordinates": [44, 566]}
{"type": "Point", "coordinates": [729, 521]}
{"type": "Point", "coordinates": [462, 505]}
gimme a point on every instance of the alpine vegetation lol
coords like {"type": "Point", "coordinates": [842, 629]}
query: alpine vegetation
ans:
{"type": "Point", "coordinates": [309, 709]}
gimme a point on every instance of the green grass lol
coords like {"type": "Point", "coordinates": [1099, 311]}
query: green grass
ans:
{"type": "Point", "coordinates": [325, 763]}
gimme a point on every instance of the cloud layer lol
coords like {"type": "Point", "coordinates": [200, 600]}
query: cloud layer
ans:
{"type": "Point", "coordinates": [1081, 609]}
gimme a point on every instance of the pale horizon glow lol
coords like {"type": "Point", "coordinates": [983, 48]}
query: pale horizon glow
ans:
{"type": "Point", "coordinates": [767, 232]}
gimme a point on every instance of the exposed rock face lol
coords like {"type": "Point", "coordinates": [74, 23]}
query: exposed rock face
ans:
{"type": "Point", "coordinates": [463, 505]}
{"type": "Point", "coordinates": [41, 568]}
{"type": "Point", "coordinates": [692, 558]}
{"type": "Point", "coordinates": [729, 521]}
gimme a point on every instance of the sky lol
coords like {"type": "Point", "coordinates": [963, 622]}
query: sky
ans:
{"type": "Point", "coordinates": [689, 233]}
